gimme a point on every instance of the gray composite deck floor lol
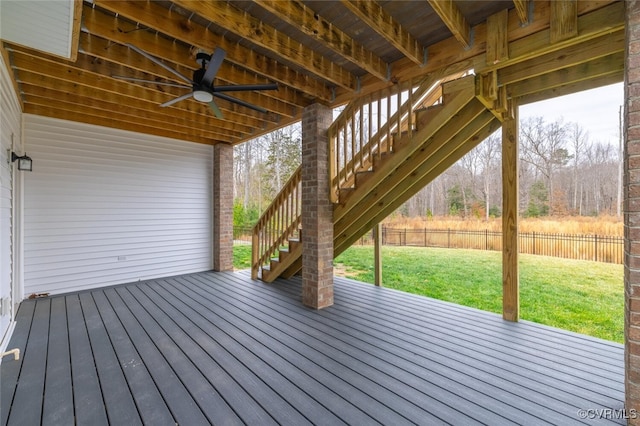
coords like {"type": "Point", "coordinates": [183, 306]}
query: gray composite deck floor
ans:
{"type": "Point", "coordinates": [219, 348]}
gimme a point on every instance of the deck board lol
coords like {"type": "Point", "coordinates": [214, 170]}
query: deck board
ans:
{"type": "Point", "coordinates": [58, 393]}
{"type": "Point", "coordinates": [218, 348]}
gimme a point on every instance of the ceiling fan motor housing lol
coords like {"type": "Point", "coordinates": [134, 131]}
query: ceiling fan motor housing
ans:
{"type": "Point", "coordinates": [202, 59]}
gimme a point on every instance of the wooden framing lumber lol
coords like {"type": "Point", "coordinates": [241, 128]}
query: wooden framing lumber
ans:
{"type": "Point", "coordinates": [564, 20]}
{"type": "Point", "coordinates": [297, 14]}
{"type": "Point", "coordinates": [246, 26]}
{"type": "Point", "coordinates": [497, 37]}
{"type": "Point", "coordinates": [454, 20]}
{"type": "Point", "coordinates": [510, 274]}
{"type": "Point", "coordinates": [374, 15]}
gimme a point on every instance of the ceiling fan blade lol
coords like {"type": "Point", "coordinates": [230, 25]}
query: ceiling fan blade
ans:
{"type": "Point", "coordinates": [245, 87]}
{"type": "Point", "coordinates": [215, 109]}
{"type": "Point", "coordinates": [178, 99]}
{"type": "Point", "coordinates": [158, 62]}
{"type": "Point", "coordinates": [240, 102]}
{"type": "Point", "coordinates": [140, 80]}
{"type": "Point", "coordinates": [214, 65]}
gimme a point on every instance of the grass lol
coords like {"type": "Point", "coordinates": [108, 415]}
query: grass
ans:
{"type": "Point", "coordinates": [241, 256]}
{"type": "Point", "coordinates": [581, 296]}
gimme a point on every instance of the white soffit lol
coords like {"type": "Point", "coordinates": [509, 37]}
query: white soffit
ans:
{"type": "Point", "coordinates": [45, 25]}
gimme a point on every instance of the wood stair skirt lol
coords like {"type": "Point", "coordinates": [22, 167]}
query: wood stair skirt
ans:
{"type": "Point", "coordinates": [285, 254]}
{"type": "Point", "coordinates": [443, 134]}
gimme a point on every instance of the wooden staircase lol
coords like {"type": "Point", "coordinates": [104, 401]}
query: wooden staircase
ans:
{"type": "Point", "coordinates": [384, 148]}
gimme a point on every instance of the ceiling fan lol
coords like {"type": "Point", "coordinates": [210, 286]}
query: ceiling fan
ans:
{"type": "Point", "coordinates": [201, 84]}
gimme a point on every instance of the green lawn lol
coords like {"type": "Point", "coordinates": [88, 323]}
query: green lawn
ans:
{"type": "Point", "coordinates": [581, 296]}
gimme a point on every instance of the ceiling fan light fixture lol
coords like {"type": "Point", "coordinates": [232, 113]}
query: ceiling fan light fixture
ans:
{"type": "Point", "coordinates": [202, 96]}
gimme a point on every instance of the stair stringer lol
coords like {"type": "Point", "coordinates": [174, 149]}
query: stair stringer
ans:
{"type": "Point", "coordinates": [451, 131]}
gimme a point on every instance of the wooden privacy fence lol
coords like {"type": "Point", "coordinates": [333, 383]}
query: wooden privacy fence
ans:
{"type": "Point", "coordinates": [570, 246]}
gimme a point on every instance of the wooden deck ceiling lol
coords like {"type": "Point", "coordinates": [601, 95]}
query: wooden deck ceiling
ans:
{"type": "Point", "coordinates": [328, 52]}
{"type": "Point", "coordinates": [219, 348]}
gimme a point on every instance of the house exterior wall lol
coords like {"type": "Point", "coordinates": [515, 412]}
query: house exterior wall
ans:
{"type": "Point", "coordinates": [10, 139]}
{"type": "Point", "coordinates": [105, 206]}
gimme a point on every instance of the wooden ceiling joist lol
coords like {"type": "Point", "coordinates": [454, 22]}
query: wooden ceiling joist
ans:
{"type": "Point", "coordinates": [295, 13]}
{"type": "Point", "coordinates": [522, 9]}
{"type": "Point", "coordinates": [381, 22]}
{"type": "Point", "coordinates": [99, 121]}
{"type": "Point", "coordinates": [246, 26]}
{"type": "Point", "coordinates": [454, 20]}
{"type": "Point", "coordinates": [179, 28]}
{"type": "Point", "coordinates": [109, 113]}
{"type": "Point", "coordinates": [312, 55]}
{"type": "Point", "coordinates": [122, 61]}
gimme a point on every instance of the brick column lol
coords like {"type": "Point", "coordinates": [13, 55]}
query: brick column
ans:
{"type": "Point", "coordinates": [632, 209]}
{"type": "Point", "coordinates": [317, 209]}
{"type": "Point", "coordinates": [222, 207]}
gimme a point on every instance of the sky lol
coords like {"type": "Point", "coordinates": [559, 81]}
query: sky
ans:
{"type": "Point", "coordinates": [595, 110]}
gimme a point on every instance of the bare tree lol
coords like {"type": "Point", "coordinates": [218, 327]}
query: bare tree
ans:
{"type": "Point", "coordinates": [579, 140]}
{"type": "Point", "coordinates": [544, 147]}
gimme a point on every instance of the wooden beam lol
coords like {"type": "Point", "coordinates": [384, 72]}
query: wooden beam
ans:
{"type": "Point", "coordinates": [454, 20]}
{"type": "Point", "coordinates": [492, 96]}
{"type": "Point", "coordinates": [100, 121]}
{"type": "Point", "coordinates": [377, 254]}
{"type": "Point", "coordinates": [246, 26]}
{"type": "Point", "coordinates": [607, 65]}
{"type": "Point", "coordinates": [522, 9]}
{"type": "Point", "coordinates": [54, 98]}
{"type": "Point", "coordinates": [182, 60]}
{"type": "Point", "coordinates": [447, 56]}
{"type": "Point", "coordinates": [116, 59]}
{"type": "Point", "coordinates": [497, 37]}
{"type": "Point", "coordinates": [371, 13]}
{"type": "Point", "coordinates": [120, 116]}
{"type": "Point", "coordinates": [176, 26]}
{"type": "Point", "coordinates": [568, 57]}
{"type": "Point", "coordinates": [570, 88]}
{"type": "Point", "coordinates": [297, 14]}
{"type": "Point", "coordinates": [510, 221]}
{"type": "Point", "coordinates": [75, 29]}
{"type": "Point", "coordinates": [26, 61]}
{"type": "Point", "coordinates": [89, 95]}
{"type": "Point", "coordinates": [7, 63]}
{"type": "Point", "coordinates": [564, 20]}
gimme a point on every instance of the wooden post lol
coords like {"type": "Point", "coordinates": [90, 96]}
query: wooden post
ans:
{"type": "Point", "coordinates": [377, 254]}
{"type": "Point", "coordinates": [510, 275]}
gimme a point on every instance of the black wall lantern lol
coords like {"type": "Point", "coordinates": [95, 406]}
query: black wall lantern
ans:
{"type": "Point", "coordinates": [24, 162]}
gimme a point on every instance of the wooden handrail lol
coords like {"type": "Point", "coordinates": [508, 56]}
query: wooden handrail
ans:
{"type": "Point", "coordinates": [279, 222]}
{"type": "Point", "coordinates": [363, 130]}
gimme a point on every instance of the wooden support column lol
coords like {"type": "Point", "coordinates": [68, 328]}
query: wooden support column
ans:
{"type": "Point", "coordinates": [631, 209]}
{"type": "Point", "coordinates": [317, 209]}
{"type": "Point", "coordinates": [222, 207]}
{"type": "Point", "coordinates": [510, 275]}
{"type": "Point", "coordinates": [377, 254]}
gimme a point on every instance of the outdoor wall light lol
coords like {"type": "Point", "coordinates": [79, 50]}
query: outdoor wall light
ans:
{"type": "Point", "coordinates": [24, 162]}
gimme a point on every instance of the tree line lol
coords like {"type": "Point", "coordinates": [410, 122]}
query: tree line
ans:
{"type": "Point", "coordinates": [561, 172]}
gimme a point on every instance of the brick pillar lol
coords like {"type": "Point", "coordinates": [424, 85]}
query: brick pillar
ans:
{"type": "Point", "coordinates": [317, 209]}
{"type": "Point", "coordinates": [222, 207]}
{"type": "Point", "coordinates": [631, 209]}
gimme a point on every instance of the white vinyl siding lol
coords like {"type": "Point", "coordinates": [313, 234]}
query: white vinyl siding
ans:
{"type": "Point", "coordinates": [42, 25]}
{"type": "Point", "coordinates": [10, 139]}
{"type": "Point", "coordinates": [104, 206]}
